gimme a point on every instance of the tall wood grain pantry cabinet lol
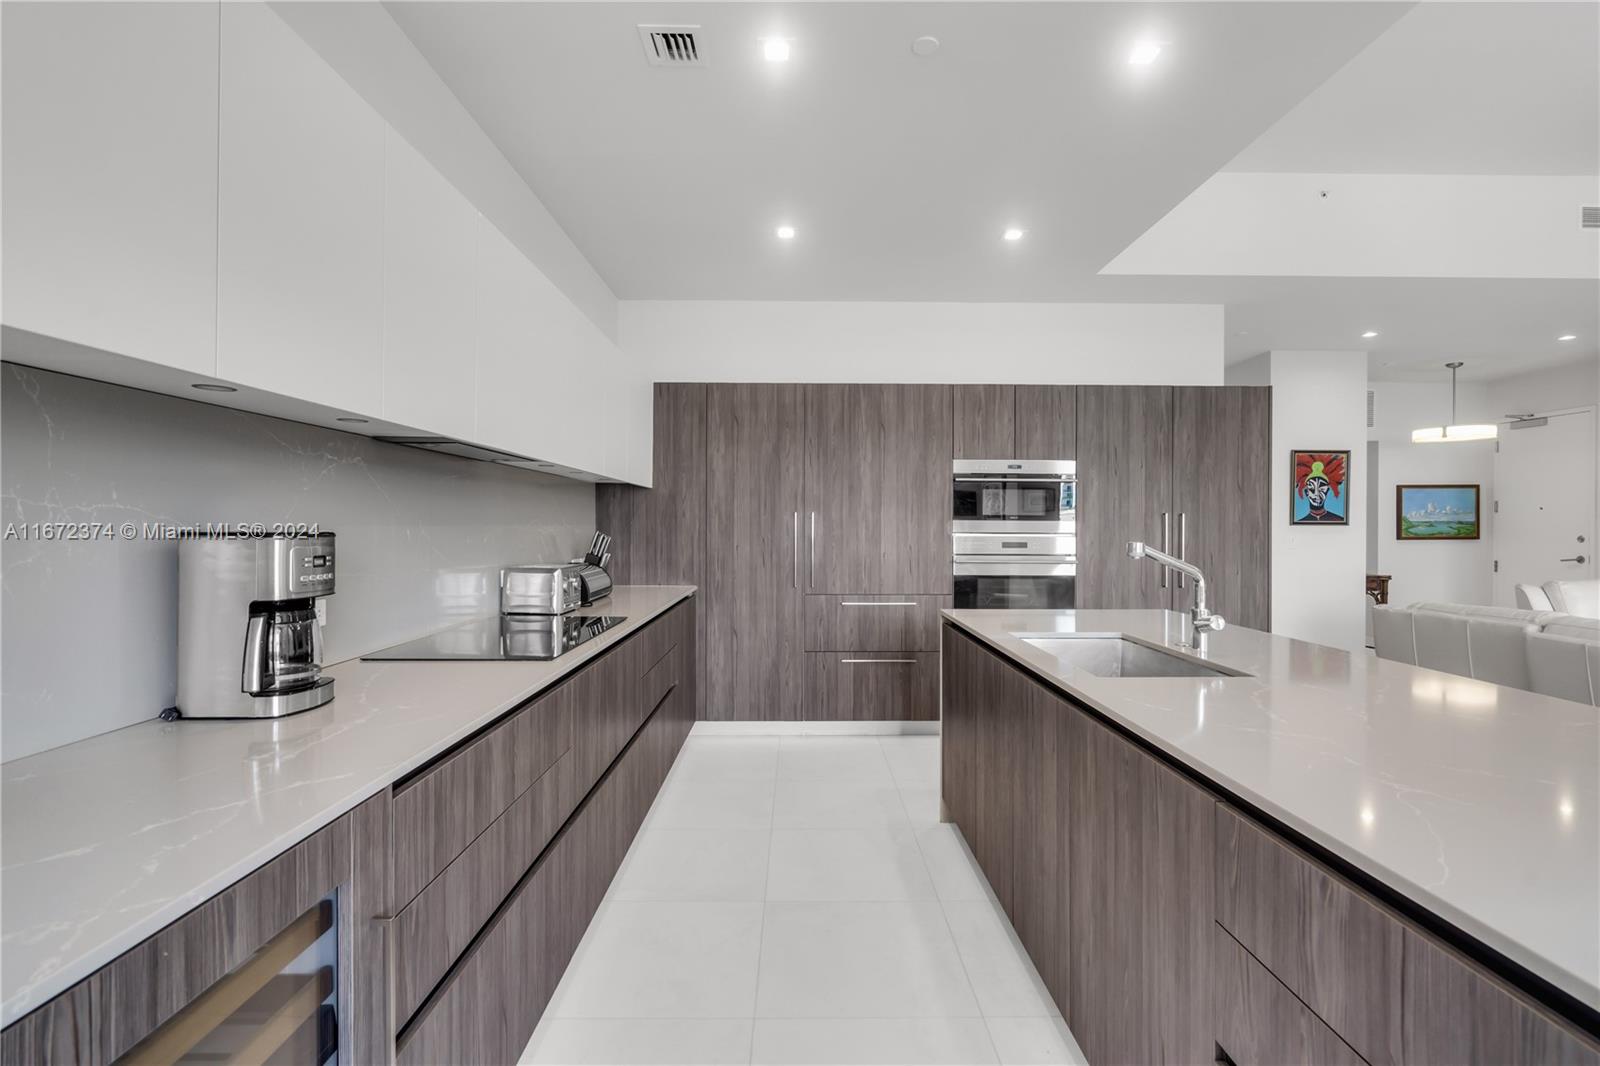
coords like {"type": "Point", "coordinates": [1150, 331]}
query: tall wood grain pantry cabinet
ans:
{"type": "Point", "coordinates": [816, 519]}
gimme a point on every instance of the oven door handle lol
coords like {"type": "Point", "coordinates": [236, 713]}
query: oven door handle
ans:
{"type": "Point", "coordinates": [1050, 479]}
{"type": "Point", "coordinates": [1016, 567]}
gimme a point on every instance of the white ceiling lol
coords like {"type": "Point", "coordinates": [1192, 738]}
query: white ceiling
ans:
{"type": "Point", "coordinates": [900, 172]}
{"type": "Point", "coordinates": [1454, 88]}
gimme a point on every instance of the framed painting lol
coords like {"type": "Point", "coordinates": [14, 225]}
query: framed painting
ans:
{"type": "Point", "coordinates": [1436, 512]}
{"type": "Point", "coordinates": [1320, 494]}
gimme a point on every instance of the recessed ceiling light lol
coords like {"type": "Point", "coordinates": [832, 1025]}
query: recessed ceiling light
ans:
{"type": "Point", "coordinates": [1567, 337]}
{"type": "Point", "coordinates": [1144, 53]}
{"type": "Point", "coordinates": [1369, 334]}
{"type": "Point", "coordinates": [775, 50]}
{"type": "Point", "coordinates": [785, 233]}
{"type": "Point", "coordinates": [925, 46]}
{"type": "Point", "coordinates": [206, 386]}
{"type": "Point", "coordinates": [1012, 233]}
{"type": "Point", "coordinates": [349, 418]}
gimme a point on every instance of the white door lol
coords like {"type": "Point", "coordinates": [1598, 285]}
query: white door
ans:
{"type": "Point", "coordinates": [1544, 482]}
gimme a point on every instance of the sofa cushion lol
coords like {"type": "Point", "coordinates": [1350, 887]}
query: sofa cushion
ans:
{"type": "Point", "coordinates": [1560, 667]}
{"type": "Point", "coordinates": [1570, 625]}
{"type": "Point", "coordinates": [1581, 598]}
{"type": "Point", "coordinates": [1533, 598]}
{"type": "Point", "coordinates": [1392, 637]}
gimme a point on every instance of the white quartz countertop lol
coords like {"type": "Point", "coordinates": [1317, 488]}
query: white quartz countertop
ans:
{"type": "Point", "coordinates": [106, 841]}
{"type": "Point", "coordinates": [1477, 802]}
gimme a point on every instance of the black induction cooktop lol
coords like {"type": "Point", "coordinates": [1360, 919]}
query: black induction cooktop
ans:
{"type": "Point", "coordinates": [508, 637]}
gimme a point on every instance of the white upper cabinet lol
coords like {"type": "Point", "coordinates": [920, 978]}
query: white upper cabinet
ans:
{"type": "Point", "coordinates": [429, 296]}
{"type": "Point", "coordinates": [511, 399]}
{"type": "Point", "coordinates": [110, 176]}
{"type": "Point", "coordinates": [300, 230]}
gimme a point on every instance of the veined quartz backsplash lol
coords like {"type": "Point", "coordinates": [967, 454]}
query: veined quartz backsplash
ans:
{"type": "Point", "coordinates": [88, 629]}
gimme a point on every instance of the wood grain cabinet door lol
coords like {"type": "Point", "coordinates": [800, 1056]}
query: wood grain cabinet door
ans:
{"type": "Point", "coordinates": [876, 512]}
{"type": "Point", "coordinates": [1458, 1014]}
{"type": "Point", "coordinates": [1331, 946]}
{"type": "Point", "coordinates": [752, 593]}
{"type": "Point", "coordinates": [1259, 1022]}
{"type": "Point", "coordinates": [1047, 422]}
{"type": "Point", "coordinates": [1221, 498]}
{"type": "Point", "coordinates": [1141, 905]}
{"type": "Point", "coordinates": [1124, 493]}
{"type": "Point", "coordinates": [985, 421]}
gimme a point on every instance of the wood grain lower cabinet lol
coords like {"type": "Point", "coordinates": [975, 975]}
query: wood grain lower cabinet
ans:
{"type": "Point", "coordinates": [872, 686]}
{"type": "Point", "coordinates": [487, 1008]}
{"type": "Point", "coordinates": [1140, 894]}
{"type": "Point", "coordinates": [873, 623]}
{"type": "Point", "coordinates": [64, 1031]}
{"type": "Point", "coordinates": [1456, 1012]}
{"type": "Point", "coordinates": [1100, 854]}
{"type": "Point", "coordinates": [436, 927]}
{"type": "Point", "coordinates": [165, 984]}
{"type": "Point", "coordinates": [1169, 925]}
{"type": "Point", "coordinates": [1005, 785]}
{"type": "Point", "coordinates": [442, 809]}
{"type": "Point", "coordinates": [1259, 1022]}
{"type": "Point", "coordinates": [1333, 947]}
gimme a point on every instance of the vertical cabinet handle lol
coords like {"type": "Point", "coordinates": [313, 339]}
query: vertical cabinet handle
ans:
{"type": "Point", "coordinates": [1166, 543]}
{"type": "Point", "coordinates": [385, 924]}
{"type": "Point", "coordinates": [795, 581]}
{"type": "Point", "coordinates": [1183, 545]}
{"type": "Point", "coordinates": [813, 549]}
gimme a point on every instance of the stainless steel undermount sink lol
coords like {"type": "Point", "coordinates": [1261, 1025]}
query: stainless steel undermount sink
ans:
{"type": "Point", "coordinates": [1109, 655]}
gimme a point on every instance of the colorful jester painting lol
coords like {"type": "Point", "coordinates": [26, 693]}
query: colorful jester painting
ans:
{"type": "Point", "coordinates": [1321, 491]}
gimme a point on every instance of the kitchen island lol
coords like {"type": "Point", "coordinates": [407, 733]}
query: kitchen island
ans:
{"type": "Point", "coordinates": [1293, 854]}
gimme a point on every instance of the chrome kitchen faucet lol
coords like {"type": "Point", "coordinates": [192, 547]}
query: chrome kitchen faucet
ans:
{"type": "Point", "coordinates": [1200, 619]}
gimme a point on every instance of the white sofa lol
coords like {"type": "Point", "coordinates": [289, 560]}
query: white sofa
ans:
{"type": "Point", "coordinates": [1541, 651]}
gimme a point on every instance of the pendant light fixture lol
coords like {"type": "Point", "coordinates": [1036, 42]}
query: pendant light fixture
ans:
{"type": "Point", "coordinates": [1454, 433]}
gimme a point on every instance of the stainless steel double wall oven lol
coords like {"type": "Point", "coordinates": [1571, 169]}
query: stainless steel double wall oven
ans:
{"type": "Point", "coordinates": [1014, 532]}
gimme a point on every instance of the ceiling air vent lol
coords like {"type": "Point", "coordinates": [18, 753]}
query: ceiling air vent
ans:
{"type": "Point", "coordinates": [1591, 217]}
{"type": "Point", "coordinates": [672, 46]}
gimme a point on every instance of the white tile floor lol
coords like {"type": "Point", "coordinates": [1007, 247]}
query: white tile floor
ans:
{"type": "Point", "coordinates": [796, 900]}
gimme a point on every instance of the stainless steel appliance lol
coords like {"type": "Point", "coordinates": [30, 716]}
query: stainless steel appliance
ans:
{"type": "Point", "coordinates": [1014, 533]}
{"type": "Point", "coordinates": [541, 589]}
{"type": "Point", "coordinates": [249, 637]}
{"type": "Point", "coordinates": [504, 637]}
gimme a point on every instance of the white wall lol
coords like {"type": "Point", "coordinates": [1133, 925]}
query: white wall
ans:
{"type": "Point", "coordinates": [1318, 572]}
{"type": "Point", "coordinates": [1555, 388]}
{"type": "Point", "coordinates": [714, 340]}
{"type": "Point", "coordinates": [1459, 571]}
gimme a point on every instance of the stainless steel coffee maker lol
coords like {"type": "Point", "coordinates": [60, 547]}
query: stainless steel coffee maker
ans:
{"type": "Point", "coordinates": [249, 638]}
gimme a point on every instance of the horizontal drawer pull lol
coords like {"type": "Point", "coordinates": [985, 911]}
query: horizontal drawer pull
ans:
{"type": "Point", "coordinates": [877, 603]}
{"type": "Point", "coordinates": [877, 660]}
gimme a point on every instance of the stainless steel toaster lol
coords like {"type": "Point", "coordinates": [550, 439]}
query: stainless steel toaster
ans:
{"type": "Point", "coordinates": [540, 589]}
